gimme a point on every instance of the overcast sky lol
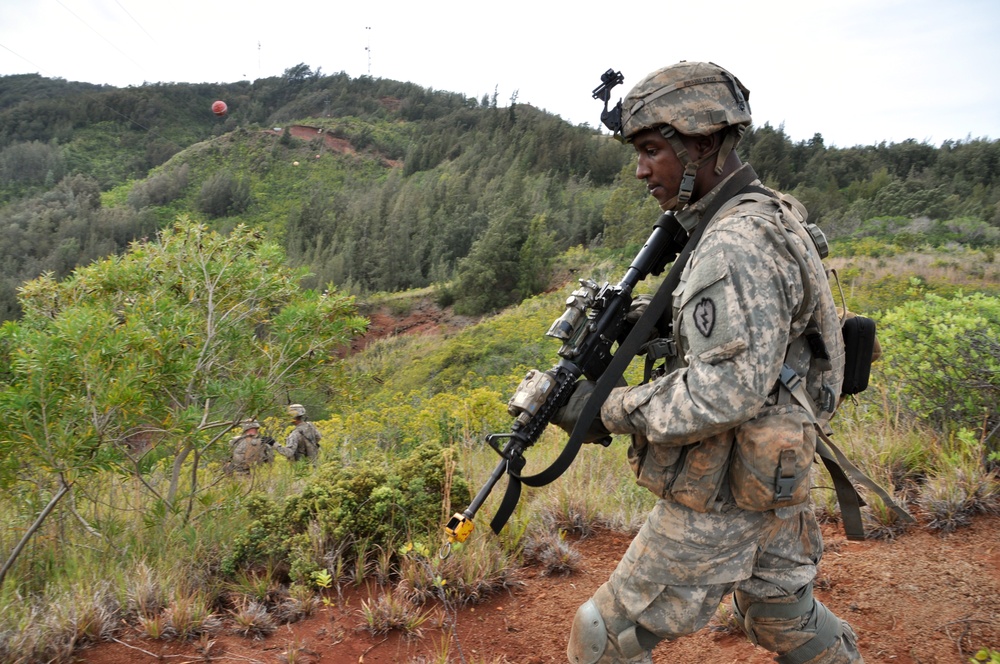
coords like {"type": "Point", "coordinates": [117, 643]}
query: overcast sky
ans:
{"type": "Point", "coordinates": [856, 71]}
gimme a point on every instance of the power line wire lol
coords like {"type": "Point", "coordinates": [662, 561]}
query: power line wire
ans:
{"type": "Point", "coordinates": [112, 44]}
{"type": "Point", "coordinates": [135, 21]}
{"type": "Point", "coordinates": [22, 57]}
{"type": "Point", "coordinates": [93, 96]}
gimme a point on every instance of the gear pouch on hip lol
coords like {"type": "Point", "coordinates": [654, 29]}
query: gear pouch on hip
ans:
{"type": "Point", "coordinates": [654, 465]}
{"type": "Point", "coordinates": [701, 473]}
{"type": "Point", "coordinates": [774, 453]}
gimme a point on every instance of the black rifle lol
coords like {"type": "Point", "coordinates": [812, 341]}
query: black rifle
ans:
{"type": "Point", "coordinates": [594, 321]}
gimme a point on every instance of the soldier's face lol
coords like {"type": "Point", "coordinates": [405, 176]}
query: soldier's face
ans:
{"type": "Point", "coordinates": [658, 166]}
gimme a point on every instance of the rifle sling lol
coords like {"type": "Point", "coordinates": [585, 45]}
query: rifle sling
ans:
{"type": "Point", "coordinates": [622, 357]}
{"type": "Point", "coordinates": [845, 475]}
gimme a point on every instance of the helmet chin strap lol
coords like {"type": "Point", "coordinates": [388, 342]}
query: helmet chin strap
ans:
{"type": "Point", "coordinates": [691, 166]}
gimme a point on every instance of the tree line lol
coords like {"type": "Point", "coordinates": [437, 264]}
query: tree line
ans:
{"type": "Point", "coordinates": [439, 188]}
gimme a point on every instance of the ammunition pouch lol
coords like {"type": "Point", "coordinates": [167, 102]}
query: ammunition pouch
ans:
{"type": "Point", "coordinates": [772, 458]}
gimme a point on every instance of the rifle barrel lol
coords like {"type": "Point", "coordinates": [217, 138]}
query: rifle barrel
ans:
{"type": "Point", "coordinates": [655, 254]}
{"type": "Point", "coordinates": [484, 493]}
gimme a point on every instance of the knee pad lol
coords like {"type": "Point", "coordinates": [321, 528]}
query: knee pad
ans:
{"type": "Point", "coordinates": [809, 625]}
{"type": "Point", "coordinates": [588, 638]}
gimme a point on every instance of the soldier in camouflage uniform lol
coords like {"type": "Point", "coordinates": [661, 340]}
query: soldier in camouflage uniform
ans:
{"type": "Point", "coordinates": [303, 441]}
{"type": "Point", "coordinates": [249, 449]}
{"type": "Point", "coordinates": [717, 434]}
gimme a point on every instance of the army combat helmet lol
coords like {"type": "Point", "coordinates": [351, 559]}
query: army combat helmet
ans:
{"type": "Point", "coordinates": [690, 98]}
{"type": "Point", "coordinates": [297, 410]}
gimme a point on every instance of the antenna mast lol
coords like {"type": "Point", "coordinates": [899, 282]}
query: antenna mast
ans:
{"type": "Point", "coordinates": [368, 48]}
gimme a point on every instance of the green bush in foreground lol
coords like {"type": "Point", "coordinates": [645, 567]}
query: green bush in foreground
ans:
{"type": "Point", "coordinates": [349, 512]}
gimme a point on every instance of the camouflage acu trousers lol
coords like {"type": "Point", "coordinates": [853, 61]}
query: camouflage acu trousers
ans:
{"type": "Point", "coordinates": [682, 564]}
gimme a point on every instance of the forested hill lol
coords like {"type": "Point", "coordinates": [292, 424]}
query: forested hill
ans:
{"type": "Point", "coordinates": [379, 185]}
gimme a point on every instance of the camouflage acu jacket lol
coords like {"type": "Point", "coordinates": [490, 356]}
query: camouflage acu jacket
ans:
{"type": "Point", "coordinates": [302, 442]}
{"type": "Point", "coordinates": [248, 451]}
{"type": "Point", "coordinates": [739, 312]}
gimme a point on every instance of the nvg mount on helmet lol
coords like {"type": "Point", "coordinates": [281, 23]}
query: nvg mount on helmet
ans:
{"type": "Point", "coordinates": [612, 119]}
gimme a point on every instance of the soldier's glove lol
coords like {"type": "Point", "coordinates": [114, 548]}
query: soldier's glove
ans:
{"type": "Point", "coordinates": [637, 308]}
{"type": "Point", "coordinates": [635, 312]}
{"type": "Point", "coordinates": [267, 440]}
{"type": "Point", "coordinates": [566, 417]}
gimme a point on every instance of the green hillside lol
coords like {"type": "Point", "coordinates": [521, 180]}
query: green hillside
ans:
{"type": "Point", "coordinates": [118, 391]}
{"type": "Point", "coordinates": [401, 187]}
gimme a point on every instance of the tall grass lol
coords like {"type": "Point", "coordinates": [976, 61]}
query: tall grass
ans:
{"type": "Point", "coordinates": [145, 567]}
{"type": "Point", "coordinates": [878, 283]}
{"type": "Point", "coordinates": [596, 491]}
{"type": "Point", "coordinates": [943, 478]}
{"type": "Point", "coordinates": [396, 610]}
{"type": "Point", "coordinates": [116, 555]}
{"type": "Point", "coordinates": [472, 573]}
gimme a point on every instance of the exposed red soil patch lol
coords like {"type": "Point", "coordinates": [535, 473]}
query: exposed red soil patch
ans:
{"type": "Point", "coordinates": [307, 133]}
{"type": "Point", "coordinates": [422, 317]}
{"type": "Point", "coordinates": [330, 142]}
{"type": "Point", "coordinates": [921, 599]}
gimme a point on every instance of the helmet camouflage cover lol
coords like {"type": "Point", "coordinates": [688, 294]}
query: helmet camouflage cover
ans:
{"type": "Point", "coordinates": [695, 98]}
{"type": "Point", "coordinates": [297, 410]}
{"type": "Point", "coordinates": [250, 424]}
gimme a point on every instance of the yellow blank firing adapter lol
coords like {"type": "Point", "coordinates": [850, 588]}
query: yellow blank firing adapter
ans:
{"type": "Point", "coordinates": [458, 528]}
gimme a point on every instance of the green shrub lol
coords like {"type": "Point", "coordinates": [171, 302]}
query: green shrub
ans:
{"type": "Point", "coordinates": [988, 655]}
{"type": "Point", "coordinates": [222, 194]}
{"type": "Point", "coordinates": [348, 511]}
{"type": "Point", "coordinates": [866, 246]}
{"type": "Point", "coordinates": [943, 356]}
{"type": "Point", "coordinates": [160, 189]}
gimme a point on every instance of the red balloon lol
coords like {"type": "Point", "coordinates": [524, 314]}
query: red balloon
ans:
{"type": "Point", "coordinates": [219, 108]}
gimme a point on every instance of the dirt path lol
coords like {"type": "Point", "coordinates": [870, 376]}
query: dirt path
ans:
{"type": "Point", "coordinates": [422, 316]}
{"type": "Point", "coordinates": [921, 599]}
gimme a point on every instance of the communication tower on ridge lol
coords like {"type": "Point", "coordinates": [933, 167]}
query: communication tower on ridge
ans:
{"type": "Point", "coordinates": [368, 48]}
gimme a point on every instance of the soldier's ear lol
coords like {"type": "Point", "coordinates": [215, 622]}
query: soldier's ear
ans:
{"type": "Point", "coordinates": [705, 144]}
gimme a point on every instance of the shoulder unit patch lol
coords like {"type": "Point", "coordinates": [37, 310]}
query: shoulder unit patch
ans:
{"type": "Point", "coordinates": [704, 316]}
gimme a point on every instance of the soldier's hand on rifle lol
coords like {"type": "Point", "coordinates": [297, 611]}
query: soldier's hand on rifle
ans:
{"type": "Point", "coordinates": [637, 308]}
{"type": "Point", "coordinates": [566, 417]}
{"type": "Point", "coordinates": [635, 312]}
